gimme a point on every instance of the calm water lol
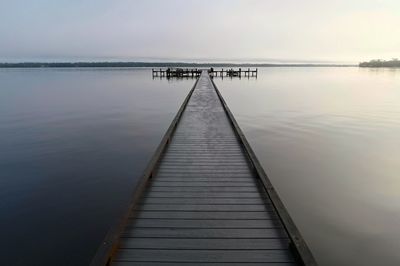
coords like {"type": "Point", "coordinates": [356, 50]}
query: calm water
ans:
{"type": "Point", "coordinates": [329, 138]}
{"type": "Point", "coordinates": [73, 142]}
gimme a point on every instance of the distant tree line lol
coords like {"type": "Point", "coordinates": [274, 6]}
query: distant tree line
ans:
{"type": "Point", "coordinates": [381, 63]}
{"type": "Point", "coordinates": [152, 64]}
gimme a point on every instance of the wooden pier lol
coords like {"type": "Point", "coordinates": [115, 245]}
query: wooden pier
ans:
{"type": "Point", "coordinates": [195, 72]}
{"type": "Point", "coordinates": [176, 72]}
{"type": "Point", "coordinates": [204, 198]}
{"type": "Point", "coordinates": [230, 72]}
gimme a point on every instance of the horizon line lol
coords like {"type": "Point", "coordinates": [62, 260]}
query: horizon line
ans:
{"type": "Point", "coordinates": [68, 63]}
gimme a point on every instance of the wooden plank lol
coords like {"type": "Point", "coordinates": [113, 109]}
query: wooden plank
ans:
{"type": "Point", "coordinates": [227, 256]}
{"type": "Point", "coordinates": [204, 233]}
{"type": "Point", "coordinates": [198, 244]}
{"type": "Point", "coordinates": [206, 215]}
{"type": "Point", "coordinates": [210, 154]}
{"type": "Point", "coordinates": [192, 140]}
{"type": "Point", "coordinates": [189, 170]}
{"type": "Point", "coordinates": [227, 161]}
{"type": "Point", "coordinates": [207, 189]}
{"type": "Point", "coordinates": [189, 175]}
{"type": "Point", "coordinates": [205, 179]}
{"type": "Point", "coordinates": [205, 141]}
{"type": "Point", "coordinates": [204, 167]}
{"type": "Point", "coordinates": [234, 171]}
{"type": "Point", "coordinates": [234, 201]}
{"type": "Point", "coordinates": [161, 183]}
{"type": "Point", "coordinates": [207, 154]}
{"type": "Point", "coordinates": [174, 223]}
{"type": "Point", "coordinates": [199, 157]}
{"type": "Point", "coordinates": [210, 163]}
{"type": "Point", "coordinates": [203, 151]}
{"type": "Point", "coordinates": [197, 160]}
{"type": "Point", "coordinates": [202, 207]}
{"type": "Point", "coordinates": [204, 145]}
{"type": "Point", "coordinates": [147, 263]}
{"type": "Point", "coordinates": [203, 194]}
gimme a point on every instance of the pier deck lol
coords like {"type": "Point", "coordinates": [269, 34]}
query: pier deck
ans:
{"type": "Point", "coordinates": [205, 199]}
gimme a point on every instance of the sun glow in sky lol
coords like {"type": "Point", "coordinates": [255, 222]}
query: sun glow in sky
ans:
{"type": "Point", "coordinates": [222, 30]}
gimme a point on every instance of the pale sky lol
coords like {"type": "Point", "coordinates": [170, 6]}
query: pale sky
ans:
{"type": "Point", "coordinates": [200, 30]}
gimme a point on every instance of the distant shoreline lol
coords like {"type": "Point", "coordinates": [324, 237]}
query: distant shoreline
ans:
{"type": "Point", "coordinates": [155, 65]}
{"type": "Point", "coordinates": [377, 63]}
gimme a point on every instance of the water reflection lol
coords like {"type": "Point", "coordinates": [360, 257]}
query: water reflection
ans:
{"type": "Point", "coordinates": [329, 140]}
{"type": "Point", "coordinates": [74, 140]}
{"type": "Point", "coordinates": [72, 143]}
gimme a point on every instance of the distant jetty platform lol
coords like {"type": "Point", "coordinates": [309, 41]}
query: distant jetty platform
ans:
{"type": "Point", "coordinates": [195, 72]}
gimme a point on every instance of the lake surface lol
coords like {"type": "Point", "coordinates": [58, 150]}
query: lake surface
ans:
{"type": "Point", "coordinates": [73, 142]}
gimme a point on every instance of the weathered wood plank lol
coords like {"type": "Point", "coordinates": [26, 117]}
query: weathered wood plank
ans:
{"type": "Point", "coordinates": [206, 148]}
{"type": "Point", "coordinates": [161, 183]}
{"type": "Point", "coordinates": [147, 263]}
{"type": "Point", "coordinates": [197, 207]}
{"type": "Point", "coordinates": [204, 168]}
{"type": "Point", "coordinates": [203, 194]}
{"type": "Point", "coordinates": [204, 233]}
{"type": "Point", "coordinates": [229, 256]}
{"type": "Point", "coordinates": [206, 215]}
{"type": "Point", "coordinates": [234, 201]}
{"type": "Point", "coordinates": [209, 180]}
{"type": "Point", "coordinates": [198, 244]}
{"type": "Point", "coordinates": [188, 162]}
{"type": "Point", "coordinates": [174, 223]}
{"type": "Point", "coordinates": [215, 175]}
{"type": "Point", "coordinates": [205, 171]}
{"type": "Point", "coordinates": [204, 189]}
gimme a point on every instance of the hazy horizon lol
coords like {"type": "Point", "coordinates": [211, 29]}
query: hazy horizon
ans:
{"type": "Point", "coordinates": [207, 31]}
{"type": "Point", "coordinates": [176, 60]}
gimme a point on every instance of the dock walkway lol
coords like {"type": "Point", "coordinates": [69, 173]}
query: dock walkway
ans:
{"type": "Point", "coordinates": [204, 202]}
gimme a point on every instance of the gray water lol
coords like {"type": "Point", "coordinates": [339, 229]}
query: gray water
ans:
{"type": "Point", "coordinates": [73, 142]}
{"type": "Point", "coordinates": [329, 139]}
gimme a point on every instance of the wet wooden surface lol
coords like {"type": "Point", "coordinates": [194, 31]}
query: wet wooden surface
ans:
{"type": "Point", "coordinates": [204, 205]}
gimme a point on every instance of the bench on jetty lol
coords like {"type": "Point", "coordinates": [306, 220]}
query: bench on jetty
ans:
{"type": "Point", "coordinates": [204, 198]}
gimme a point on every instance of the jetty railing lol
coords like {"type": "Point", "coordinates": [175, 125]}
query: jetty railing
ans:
{"type": "Point", "coordinates": [195, 72]}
